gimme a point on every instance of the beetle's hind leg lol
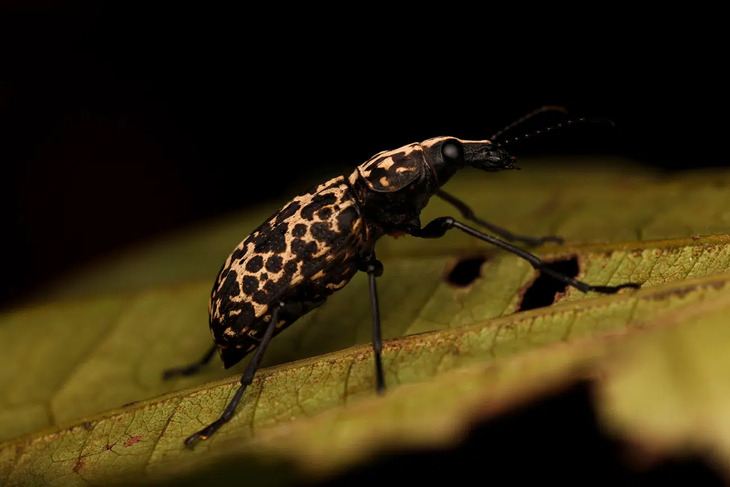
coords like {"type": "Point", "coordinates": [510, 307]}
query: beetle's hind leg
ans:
{"type": "Point", "coordinates": [469, 214]}
{"type": "Point", "coordinates": [439, 226]}
{"type": "Point", "coordinates": [246, 380]}
{"type": "Point", "coordinates": [189, 369]}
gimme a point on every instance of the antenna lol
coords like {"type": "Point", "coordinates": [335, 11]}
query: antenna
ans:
{"type": "Point", "coordinates": [521, 120]}
{"type": "Point", "coordinates": [557, 126]}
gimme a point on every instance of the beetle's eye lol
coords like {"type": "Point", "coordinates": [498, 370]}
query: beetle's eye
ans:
{"type": "Point", "coordinates": [452, 151]}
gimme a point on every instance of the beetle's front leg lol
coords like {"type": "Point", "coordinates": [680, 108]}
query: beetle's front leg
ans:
{"type": "Point", "coordinates": [438, 227]}
{"type": "Point", "coordinates": [469, 214]}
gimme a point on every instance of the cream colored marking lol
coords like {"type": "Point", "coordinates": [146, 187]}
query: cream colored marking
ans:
{"type": "Point", "coordinates": [228, 260]}
{"type": "Point", "coordinates": [436, 140]}
{"type": "Point", "coordinates": [386, 164]}
{"type": "Point", "coordinates": [401, 169]}
{"type": "Point", "coordinates": [229, 332]}
{"type": "Point", "coordinates": [353, 177]}
{"type": "Point", "coordinates": [384, 182]}
{"type": "Point", "coordinates": [365, 168]}
{"type": "Point", "coordinates": [336, 286]}
{"type": "Point", "coordinates": [321, 187]}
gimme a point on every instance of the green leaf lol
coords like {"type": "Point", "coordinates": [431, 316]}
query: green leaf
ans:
{"type": "Point", "coordinates": [85, 352]}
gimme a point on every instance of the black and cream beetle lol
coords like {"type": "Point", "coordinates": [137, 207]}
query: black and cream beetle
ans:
{"type": "Point", "coordinates": [316, 243]}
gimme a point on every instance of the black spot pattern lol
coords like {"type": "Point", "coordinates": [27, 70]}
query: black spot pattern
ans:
{"type": "Point", "coordinates": [291, 267]}
{"type": "Point", "coordinates": [274, 263]}
{"type": "Point", "coordinates": [297, 246]}
{"type": "Point", "coordinates": [230, 285]}
{"type": "Point", "coordinates": [238, 253]}
{"type": "Point", "coordinates": [324, 213]}
{"type": "Point", "coordinates": [271, 287]}
{"type": "Point", "coordinates": [300, 229]}
{"type": "Point", "coordinates": [317, 202]}
{"type": "Point", "coordinates": [240, 314]}
{"type": "Point", "coordinates": [303, 249]}
{"type": "Point", "coordinates": [321, 231]}
{"type": "Point", "coordinates": [250, 284]}
{"type": "Point", "coordinates": [272, 241]}
{"type": "Point", "coordinates": [288, 211]}
{"type": "Point", "coordinates": [346, 218]}
{"type": "Point", "coordinates": [255, 263]}
{"type": "Point", "coordinates": [261, 297]}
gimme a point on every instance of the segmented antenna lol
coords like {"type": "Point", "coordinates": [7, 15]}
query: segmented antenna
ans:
{"type": "Point", "coordinates": [557, 126]}
{"type": "Point", "coordinates": [521, 120]}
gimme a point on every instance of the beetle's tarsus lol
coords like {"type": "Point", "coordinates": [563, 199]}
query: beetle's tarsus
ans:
{"type": "Point", "coordinates": [189, 369]}
{"type": "Point", "coordinates": [192, 440]}
{"type": "Point", "coordinates": [614, 289]}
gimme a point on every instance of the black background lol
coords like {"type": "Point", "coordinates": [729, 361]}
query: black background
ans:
{"type": "Point", "coordinates": [119, 120]}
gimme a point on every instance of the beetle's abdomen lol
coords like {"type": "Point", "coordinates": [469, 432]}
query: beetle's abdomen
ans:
{"type": "Point", "coordinates": [299, 256]}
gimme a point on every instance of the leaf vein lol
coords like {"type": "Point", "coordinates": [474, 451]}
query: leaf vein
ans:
{"type": "Point", "coordinates": [83, 358]}
{"type": "Point", "coordinates": [302, 384]}
{"type": "Point", "coordinates": [163, 430]}
{"type": "Point", "coordinates": [347, 379]}
{"type": "Point", "coordinates": [694, 261]}
{"type": "Point", "coordinates": [255, 408]}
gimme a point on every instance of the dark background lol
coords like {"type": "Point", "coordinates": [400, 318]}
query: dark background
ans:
{"type": "Point", "coordinates": [119, 120]}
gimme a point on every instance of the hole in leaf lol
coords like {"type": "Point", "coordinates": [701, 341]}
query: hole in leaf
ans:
{"type": "Point", "coordinates": [466, 271]}
{"type": "Point", "coordinates": [543, 290]}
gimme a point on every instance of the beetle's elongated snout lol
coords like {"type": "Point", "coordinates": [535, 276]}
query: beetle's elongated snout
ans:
{"type": "Point", "coordinates": [446, 155]}
{"type": "Point", "coordinates": [483, 155]}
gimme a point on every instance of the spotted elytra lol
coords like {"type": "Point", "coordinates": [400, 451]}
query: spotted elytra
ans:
{"type": "Point", "coordinates": [316, 243]}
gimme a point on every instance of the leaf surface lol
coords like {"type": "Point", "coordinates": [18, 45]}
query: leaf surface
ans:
{"type": "Point", "coordinates": [84, 352]}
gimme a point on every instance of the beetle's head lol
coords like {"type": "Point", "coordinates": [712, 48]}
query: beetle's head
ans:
{"type": "Point", "coordinates": [446, 155]}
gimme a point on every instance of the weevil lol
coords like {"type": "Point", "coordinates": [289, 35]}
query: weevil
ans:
{"type": "Point", "coordinates": [318, 241]}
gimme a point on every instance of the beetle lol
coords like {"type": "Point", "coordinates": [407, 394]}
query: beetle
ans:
{"type": "Point", "coordinates": [318, 241]}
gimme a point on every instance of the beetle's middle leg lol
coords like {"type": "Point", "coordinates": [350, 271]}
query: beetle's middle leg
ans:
{"type": "Point", "coordinates": [374, 268]}
{"type": "Point", "coordinates": [468, 213]}
{"type": "Point", "coordinates": [246, 380]}
{"type": "Point", "coordinates": [439, 226]}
